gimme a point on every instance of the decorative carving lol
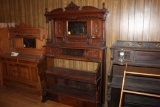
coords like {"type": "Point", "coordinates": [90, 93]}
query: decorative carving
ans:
{"type": "Point", "coordinates": [22, 26]}
{"type": "Point", "coordinates": [133, 44]}
{"type": "Point", "coordinates": [72, 7]}
{"type": "Point", "coordinates": [95, 28]}
{"type": "Point", "coordinates": [89, 12]}
{"type": "Point", "coordinates": [139, 44]}
{"type": "Point", "coordinates": [127, 55]}
{"type": "Point", "coordinates": [92, 53]}
{"type": "Point", "coordinates": [157, 45]}
{"type": "Point", "coordinates": [23, 30]}
{"type": "Point", "coordinates": [109, 92]}
{"type": "Point", "coordinates": [56, 51]}
{"type": "Point", "coordinates": [59, 28]}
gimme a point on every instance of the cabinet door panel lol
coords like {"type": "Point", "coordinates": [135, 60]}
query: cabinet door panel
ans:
{"type": "Point", "coordinates": [59, 28]}
{"type": "Point", "coordinates": [13, 71]}
{"type": "Point", "coordinates": [24, 72]}
{"type": "Point", "coordinates": [34, 76]}
{"type": "Point", "coordinates": [96, 29]}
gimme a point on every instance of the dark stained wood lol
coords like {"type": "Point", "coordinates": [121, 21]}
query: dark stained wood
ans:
{"type": "Point", "coordinates": [141, 57]}
{"type": "Point", "coordinates": [72, 74]}
{"type": "Point", "coordinates": [4, 47]}
{"type": "Point", "coordinates": [32, 14]}
{"type": "Point", "coordinates": [73, 86]}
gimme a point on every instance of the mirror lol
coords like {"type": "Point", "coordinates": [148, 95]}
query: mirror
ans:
{"type": "Point", "coordinates": [77, 28]}
{"type": "Point", "coordinates": [29, 42]}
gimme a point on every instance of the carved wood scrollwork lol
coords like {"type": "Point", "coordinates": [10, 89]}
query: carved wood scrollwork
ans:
{"type": "Point", "coordinates": [133, 44]}
{"type": "Point", "coordinates": [56, 51]}
{"type": "Point", "coordinates": [72, 7]}
{"type": "Point", "coordinates": [59, 28]}
{"type": "Point", "coordinates": [157, 45]}
{"type": "Point", "coordinates": [127, 55]}
{"type": "Point", "coordinates": [92, 53]}
{"type": "Point", "coordinates": [95, 28]}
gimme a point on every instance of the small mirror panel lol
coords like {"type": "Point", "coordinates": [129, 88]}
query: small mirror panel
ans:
{"type": "Point", "coordinates": [77, 28]}
{"type": "Point", "coordinates": [29, 42]}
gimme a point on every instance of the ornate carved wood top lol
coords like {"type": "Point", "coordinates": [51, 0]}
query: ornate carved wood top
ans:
{"type": "Point", "coordinates": [74, 12]}
{"type": "Point", "coordinates": [75, 27]}
{"type": "Point", "coordinates": [139, 53]}
{"type": "Point", "coordinates": [72, 7]}
{"type": "Point", "coordinates": [137, 44]}
{"type": "Point", "coordinates": [23, 25]}
{"type": "Point", "coordinates": [23, 30]}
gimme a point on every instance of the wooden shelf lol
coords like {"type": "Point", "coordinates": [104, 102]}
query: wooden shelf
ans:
{"type": "Point", "coordinates": [73, 92]}
{"type": "Point", "coordinates": [138, 84]}
{"type": "Point", "coordinates": [74, 66]}
{"type": "Point", "coordinates": [72, 74]}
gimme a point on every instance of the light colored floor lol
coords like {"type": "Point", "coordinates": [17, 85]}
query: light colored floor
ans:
{"type": "Point", "coordinates": [16, 97]}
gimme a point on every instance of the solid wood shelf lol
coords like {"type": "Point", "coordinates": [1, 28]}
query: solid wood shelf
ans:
{"type": "Point", "coordinates": [83, 83]}
{"type": "Point", "coordinates": [72, 74]}
{"type": "Point", "coordinates": [73, 92]}
{"type": "Point", "coordinates": [138, 84]}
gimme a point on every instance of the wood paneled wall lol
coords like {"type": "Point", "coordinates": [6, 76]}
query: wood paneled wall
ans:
{"type": "Point", "coordinates": [127, 20]}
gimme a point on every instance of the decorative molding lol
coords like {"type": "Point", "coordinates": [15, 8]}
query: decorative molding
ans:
{"type": "Point", "coordinates": [72, 7]}
{"type": "Point", "coordinates": [157, 45]}
{"type": "Point", "coordinates": [59, 28]}
{"type": "Point", "coordinates": [95, 28]}
{"type": "Point", "coordinates": [92, 53]}
{"type": "Point", "coordinates": [127, 55]}
{"type": "Point", "coordinates": [133, 44]}
{"type": "Point", "coordinates": [23, 30]}
{"type": "Point", "coordinates": [138, 44]}
{"type": "Point", "coordinates": [56, 51]}
{"type": "Point", "coordinates": [23, 26]}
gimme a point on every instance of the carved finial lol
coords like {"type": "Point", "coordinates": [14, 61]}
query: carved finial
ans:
{"type": "Point", "coordinates": [72, 6]}
{"type": "Point", "coordinates": [46, 11]}
{"type": "Point", "coordinates": [103, 5]}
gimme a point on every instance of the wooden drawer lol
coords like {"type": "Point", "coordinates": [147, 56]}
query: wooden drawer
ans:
{"type": "Point", "coordinates": [9, 59]}
{"type": "Point", "coordinates": [31, 63]}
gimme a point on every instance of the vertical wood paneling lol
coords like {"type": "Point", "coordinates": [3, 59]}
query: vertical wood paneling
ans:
{"type": "Point", "coordinates": [158, 34]}
{"type": "Point", "coordinates": [139, 9]}
{"type": "Point", "coordinates": [1, 12]}
{"type": "Point", "coordinates": [124, 20]}
{"type": "Point", "coordinates": [12, 14]}
{"type": "Point", "coordinates": [17, 11]}
{"type": "Point", "coordinates": [127, 19]}
{"type": "Point", "coordinates": [4, 9]}
{"type": "Point", "coordinates": [131, 11]}
{"type": "Point", "coordinates": [22, 7]}
{"type": "Point", "coordinates": [8, 11]}
{"type": "Point", "coordinates": [27, 19]}
{"type": "Point", "coordinates": [30, 6]}
{"type": "Point", "coordinates": [154, 21]}
{"type": "Point", "coordinates": [95, 3]}
{"type": "Point", "coordinates": [40, 12]}
{"type": "Point", "coordinates": [147, 14]}
{"type": "Point", "coordinates": [109, 29]}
